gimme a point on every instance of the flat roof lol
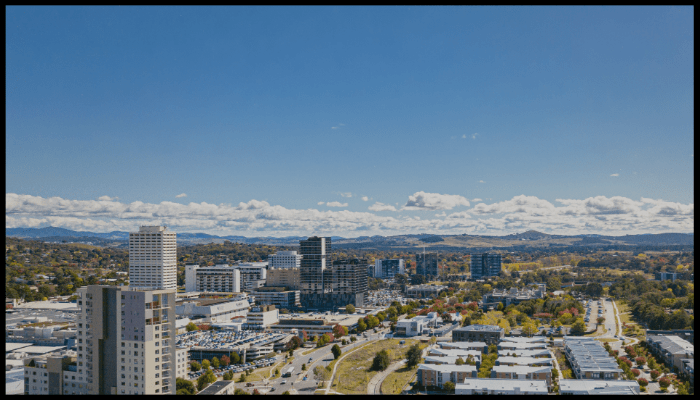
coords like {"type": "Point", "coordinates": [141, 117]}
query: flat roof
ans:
{"type": "Point", "coordinates": [598, 386]}
{"type": "Point", "coordinates": [479, 328]}
{"type": "Point", "coordinates": [48, 305]}
{"type": "Point", "coordinates": [42, 349]}
{"type": "Point", "coordinates": [9, 347]}
{"type": "Point", "coordinates": [503, 384]}
{"type": "Point", "coordinates": [216, 387]}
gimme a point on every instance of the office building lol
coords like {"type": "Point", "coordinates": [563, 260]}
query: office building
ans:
{"type": "Point", "coordinates": [490, 300]}
{"type": "Point", "coordinates": [260, 317]}
{"type": "Point", "coordinates": [387, 269]}
{"type": "Point", "coordinates": [277, 297]}
{"type": "Point", "coordinates": [217, 278]}
{"type": "Point", "coordinates": [212, 310]}
{"type": "Point", "coordinates": [126, 340]}
{"type": "Point", "coordinates": [289, 278]}
{"type": "Point", "coordinates": [488, 334]}
{"type": "Point", "coordinates": [284, 259]}
{"type": "Point", "coordinates": [418, 325]}
{"type": "Point", "coordinates": [152, 259]}
{"type": "Point", "coordinates": [182, 362]}
{"type": "Point", "coordinates": [424, 291]}
{"type": "Point", "coordinates": [427, 264]}
{"type": "Point", "coordinates": [485, 265]}
{"type": "Point", "coordinates": [53, 374]}
{"type": "Point", "coordinates": [349, 283]}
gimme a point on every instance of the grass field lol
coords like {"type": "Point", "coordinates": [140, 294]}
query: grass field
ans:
{"type": "Point", "coordinates": [625, 315]}
{"type": "Point", "coordinates": [397, 380]}
{"type": "Point", "coordinates": [600, 330]}
{"type": "Point", "coordinates": [353, 373]}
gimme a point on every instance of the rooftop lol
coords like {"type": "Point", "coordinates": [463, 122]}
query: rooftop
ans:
{"type": "Point", "coordinates": [216, 387]}
{"type": "Point", "coordinates": [673, 344]}
{"type": "Point", "coordinates": [479, 328]}
{"type": "Point", "coordinates": [595, 386]}
{"type": "Point", "coordinates": [491, 384]}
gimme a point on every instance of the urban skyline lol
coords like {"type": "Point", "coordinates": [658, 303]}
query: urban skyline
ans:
{"type": "Point", "coordinates": [351, 121]}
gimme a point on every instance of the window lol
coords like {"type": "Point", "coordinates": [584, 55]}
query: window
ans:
{"type": "Point", "coordinates": [123, 352]}
{"type": "Point", "coordinates": [136, 345]}
{"type": "Point", "coordinates": [123, 344]}
{"type": "Point", "coordinates": [157, 352]}
{"type": "Point", "coordinates": [136, 353]}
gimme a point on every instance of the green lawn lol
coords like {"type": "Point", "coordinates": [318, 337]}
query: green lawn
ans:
{"type": "Point", "coordinates": [397, 380]}
{"type": "Point", "coordinates": [353, 372]}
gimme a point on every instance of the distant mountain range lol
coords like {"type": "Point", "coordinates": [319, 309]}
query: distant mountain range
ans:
{"type": "Point", "coordinates": [429, 241]}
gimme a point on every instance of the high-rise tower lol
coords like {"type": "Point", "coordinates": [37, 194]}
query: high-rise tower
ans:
{"type": "Point", "coordinates": [152, 259]}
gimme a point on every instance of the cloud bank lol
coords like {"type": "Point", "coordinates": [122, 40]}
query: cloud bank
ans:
{"type": "Point", "coordinates": [601, 215]}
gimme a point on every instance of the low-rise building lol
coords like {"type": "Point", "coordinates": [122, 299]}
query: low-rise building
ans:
{"type": "Point", "coordinates": [671, 349]}
{"type": "Point", "coordinates": [512, 346]}
{"type": "Point", "coordinates": [590, 360]}
{"type": "Point", "coordinates": [55, 374]}
{"type": "Point", "coordinates": [219, 387]}
{"type": "Point", "coordinates": [525, 353]}
{"type": "Point", "coordinates": [500, 386]}
{"type": "Point", "coordinates": [289, 278]}
{"type": "Point", "coordinates": [666, 276]}
{"type": "Point", "coordinates": [489, 334]}
{"type": "Point", "coordinates": [480, 346]}
{"type": "Point", "coordinates": [315, 325]}
{"type": "Point", "coordinates": [281, 299]}
{"type": "Point", "coordinates": [688, 370]}
{"type": "Point", "coordinates": [531, 361]}
{"type": "Point", "coordinates": [522, 372]}
{"type": "Point", "coordinates": [418, 325]}
{"type": "Point", "coordinates": [423, 291]}
{"type": "Point", "coordinates": [597, 387]}
{"type": "Point", "coordinates": [521, 339]}
{"type": "Point", "coordinates": [182, 362]}
{"type": "Point", "coordinates": [212, 310]}
{"type": "Point", "coordinates": [260, 317]}
{"type": "Point", "coordinates": [438, 375]}
{"type": "Point", "coordinates": [512, 296]}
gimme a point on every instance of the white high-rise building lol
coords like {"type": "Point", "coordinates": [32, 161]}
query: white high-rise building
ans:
{"type": "Point", "coordinates": [191, 277]}
{"type": "Point", "coordinates": [284, 259]}
{"type": "Point", "coordinates": [152, 259]}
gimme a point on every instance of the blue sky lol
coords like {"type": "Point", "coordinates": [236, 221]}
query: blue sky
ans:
{"type": "Point", "coordinates": [470, 114]}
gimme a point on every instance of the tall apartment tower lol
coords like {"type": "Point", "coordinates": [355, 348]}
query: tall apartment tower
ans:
{"type": "Point", "coordinates": [427, 264]}
{"type": "Point", "coordinates": [126, 340]}
{"type": "Point", "coordinates": [314, 252]}
{"type": "Point", "coordinates": [485, 265]}
{"type": "Point", "coordinates": [349, 283]}
{"type": "Point", "coordinates": [387, 269]}
{"type": "Point", "coordinates": [152, 259]}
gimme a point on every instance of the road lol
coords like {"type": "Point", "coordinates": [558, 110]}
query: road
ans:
{"type": "Point", "coordinates": [375, 384]}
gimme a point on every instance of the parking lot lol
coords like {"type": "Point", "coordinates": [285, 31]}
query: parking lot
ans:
{"type": "Point", "coordinates": [235, 368]}
{"type": "Point", "coordinates": [226, 339]}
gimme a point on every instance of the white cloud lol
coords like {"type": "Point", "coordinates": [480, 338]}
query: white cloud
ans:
{"type": "Point", "coordinates": [477, 199]}
{"type": "Point", "coordinates": [336, 204]}
{"type": "Point", "coordinates": [474, 136]}
{"type": "Point", "coordinates": [320, 203]}
{"type": "Point", "coordinates": [107, 198]}
{"type": "Point", "coordinates": [181, 195]}
{"type": "Point", "coordinates": [434, 201]}
{"type": "Point", "coordinates": [615, 175]}
{"type": "Point", "coordinates": [481, 181]}
{"type": "Point", "coordinates": [346, 194]}
{"type": "Point", "coordinates": [365, 198]}
{"type": "Point", "coordinates": [464, 136]}
{"type": "Point", "coordinates": [602, 215]}
{"type": "Point", "coordinates": [381, 207]}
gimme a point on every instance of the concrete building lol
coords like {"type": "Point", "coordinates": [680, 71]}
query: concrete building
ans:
{"type": "Point", "coordinates": [523, 339]}
{"type": "Point", "coordinates": [126, 340]}
{"type": "Point", "coordinates": [349, 283]}
{"type": "Point", "coordinates": [219, 388]}
{"type": "Point", "coordinates": [387, 269]}
{"type": "Point", "coordinates": [212, 310]}
{"type": "Point", "coordinates": [488, 334]}
{"type": "Point", "coordinates": [485, 265]}
{"type": "Point", "coordinates": [427, 264]}
{"type": "Point", "coordinates": [289, 278]}
{"type": "Point", "coordinates": [284, 260]}
{"type": "Point", "coordinates": [688, 370]}
{"type": "Point", "coordinates": [418, 325]}
{"type": "Point", "coordinates": [55, 374]}
{"type": "Point", "coordinates": [671, 349]}
{"type": "Point", "coordinates": [217, 278]}
{"type": "Point", "coordinates": [479, 386]}
{"type": "Point", "coordinates": [182, 362]}
{"type": "Point", "coordinates": [260, 317]}
{"type": "Point", "coordinates": [439, 374]}
{"type": "Point", "coordinates": [315, 281]}
{"type": "Point", "coordinates": [464, 353]}
{"type": "Point", "coordinates": [424, 291]}
{"type": "Point", "coordinates": [191, 277]}
{"type": "Point", "coordinates": [480, 346]}
{"type": "Point", "coordinates": [315, 325]}
{"type": "Point", "coordinates": [541, 353]}
{"type": "Point", "coordinates": [527, 361]}
{"type": "Point", "coordinates": [253, 275]}
{"type": "Point", "coordinates": [281, 299]}
{"type": "Point", "coordinates": [687, 334]}
{"type": "Point", "coordinates": [515, 346]}
{"type": "Point", "coordinates": [490, 300]}
{"type": "Point", "coordinates": [598, 387]}
{"type": "Point", "coordinates": [590, 360]}
{"type": "Point", "coordinates": [522, 372]}
{"type": "Point", "coordinates": [152, 259]}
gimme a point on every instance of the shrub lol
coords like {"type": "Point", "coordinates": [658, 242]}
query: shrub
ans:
{"type": "Point", "coordinates": [381, 361]}
{"type": "Point", "coordinates": [664, 382]}
{"type": "Point", "coordinates": [642, 382]}
{"type": "Point", "coordinates": [654, 374]}
{"type": "Point", "coordinates": [640, 361]}
{"type": "Point", "coordinates": [636, 372]}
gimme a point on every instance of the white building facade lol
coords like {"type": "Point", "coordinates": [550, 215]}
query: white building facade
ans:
{"type": "Point", "coordinates": [152, 259]}
{"type": "Point", "coordinates": [191, 277]}
{"type": "Point", "coordinates": [284, 259]}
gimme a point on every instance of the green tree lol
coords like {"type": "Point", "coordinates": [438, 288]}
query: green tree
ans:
{"type": "Point", "coordinates": [499, 307]}
{"type": "Point", "coordinates": [303, 367]}
{"type": "Point", "coordinates": [449, 386]}
{"type": "Point", "coordinates": [361, 325]}
{"type": "Point", "coordinates": [578, 327]}
{"type": "Point", "coordinates": [336, 351]}
{"type": "Point", "coordinates": [350, 309]}
{"type": "Point", "coordinates": [235, 358]}
{"type": "Point", "coordinates": [191, 327]}
{"type": "Point", "coordinates": [459, 361]}
{"type": "Point", "coordinates": [205, 379]}
{"type": "Point", "coordinates": [413, 356]}
{"type": "Point", "coordinates": [215, 363]}
{"type": "Point", "coordinates": [206, 364]}
{"type": "Point", "coordinates": [225, 360]}
{"type": "Point", "coordinates": [228, 376]}
{"type": "Point", "coordinates": [242, 378]}
{"type": "Point", "coordinates": [195, 366]}
{"type": "Point", "coordinates": [381, 361]}
{"type": "Point", "coordinates": [184, 385]}
{"type": "Point", "coordinates": [321, 374]}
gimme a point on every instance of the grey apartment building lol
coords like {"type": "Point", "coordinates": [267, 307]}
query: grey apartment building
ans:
{"type": "Point", "coordinates": [485, 265]}
{"type": "Point", "coordinates": [478, 333]}
{"type": "Point", "coordinates": [427, 264]}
